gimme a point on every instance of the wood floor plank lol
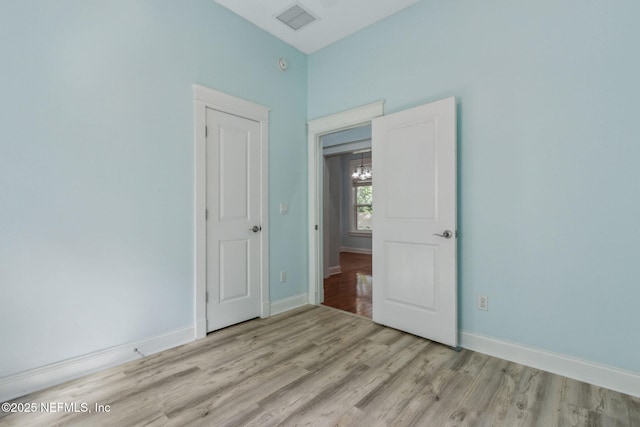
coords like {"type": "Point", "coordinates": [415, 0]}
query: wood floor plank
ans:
{"type": "Point", "coordinates": [527, 403]}
{"type": "Point", "coordinates": [390, 399]}
{"type": "Point", "coordinates": [632, 408]}
{"type": "Point", "coordinates": [615, 407]}
{"type": "Point", "coordinates": [480, 392]}
{"type": "Point", "coordinates": [324, 405]}
{"type": "Point", "coordinates": [571, 414]}
{"type": "Point", "coordinates": [401, 350]}
{"type": "Point", "coordinates": [387, 336]}
{"type": "Point", "coordinates": [469, 362]}
{"type": "Point", "coordinates": [355, 417]}
{"type": "Point", "coordinates": [502, 396]}
{"type": "Point", "coordinates": [331, 405]}
{"type": "Point", "coordinates": [222, 406]}
{"type": "Point", "coordinates": [435, 404]}
{"type": "Point", "coordinates": [316, 366]}
{"type": "Point", "coordinates": [333, 347]}
{"type": "Point", "coordinates": [276, 331]}
{"type": "Point", "coordinates": [342, 367]}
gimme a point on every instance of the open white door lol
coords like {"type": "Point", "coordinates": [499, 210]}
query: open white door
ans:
{"type": "Point", "coordinates": [234, 238]}
{"type": "Point", "coordinates": [414, 224]}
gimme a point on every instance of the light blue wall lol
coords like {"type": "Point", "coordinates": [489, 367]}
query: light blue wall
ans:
{"type": "Point", "coordinates": [549, 194]}
{"type": "Point", "coordinates": [332, 203]}
{"type": "Point", "coordinates": [97, 168]}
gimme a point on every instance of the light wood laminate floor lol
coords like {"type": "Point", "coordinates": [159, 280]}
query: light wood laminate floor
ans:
{"type": "Point", "coordinates": [321, 367]}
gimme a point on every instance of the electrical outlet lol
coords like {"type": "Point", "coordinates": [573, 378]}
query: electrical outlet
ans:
{"type": "Point", "coordinates": [483, 302]}
{"type": "Point", "coordinates": [284, 208]}
{"type": "Point", "coordinates": [283, 276]}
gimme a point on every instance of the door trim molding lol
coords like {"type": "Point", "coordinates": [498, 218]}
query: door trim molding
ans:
{"type": "Point", "coordinates": [315, 129]}
{"type": "Point", "coordinates": [204, 98]}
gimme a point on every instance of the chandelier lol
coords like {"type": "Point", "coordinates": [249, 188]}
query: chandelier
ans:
{"type": "Point", "coordinates": [362, 173]}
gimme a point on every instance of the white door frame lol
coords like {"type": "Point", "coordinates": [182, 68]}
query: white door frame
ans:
{"type": "Point", "coordinates": [204, 98]}
{"type": "Point", "coordinates": [317, 128]}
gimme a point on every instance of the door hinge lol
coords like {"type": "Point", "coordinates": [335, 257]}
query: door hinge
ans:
{"type": "Point", "coordinates": [206, 214]}
{"type": "Point", "coordinates": [206, 297]}
{"type": "Point", "coordinates": [316, 226]}
{"type": "Point", "coordinates": [206, 131]}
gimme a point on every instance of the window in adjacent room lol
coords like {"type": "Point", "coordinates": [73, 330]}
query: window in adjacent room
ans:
{"type": "Point", "coordinates": [362, 197]}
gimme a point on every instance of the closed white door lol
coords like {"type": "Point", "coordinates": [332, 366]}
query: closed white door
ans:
{"type": "Point", "coordinates": [233, 219]}
{"type": "Point", "coordinates": [414, 222]}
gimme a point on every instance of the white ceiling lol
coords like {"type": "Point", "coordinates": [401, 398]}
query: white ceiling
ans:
{"type": "Point", "coordinates": [337, 18]}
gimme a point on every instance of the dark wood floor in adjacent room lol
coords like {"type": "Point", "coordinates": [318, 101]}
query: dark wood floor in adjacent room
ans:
{"type": "Point", "coordinates": [351, 289]}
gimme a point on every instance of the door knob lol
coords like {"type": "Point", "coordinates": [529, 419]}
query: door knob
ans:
{"type": "Point", "coordinates": [256, 228]}
{"type": "Point", "coordinates": [447, 234]}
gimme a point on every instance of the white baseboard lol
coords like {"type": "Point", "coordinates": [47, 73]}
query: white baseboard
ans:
{"type": "Point", "coordinates": [290, 303]}
{"type": "Point", "coordinates": [593, 373]}
{"type": "Point", "coordinates": [26, 382]}
{"type": "Point", "coordinates": [356, 250]}
{"type": "Point", "coordinates": [334, 270]}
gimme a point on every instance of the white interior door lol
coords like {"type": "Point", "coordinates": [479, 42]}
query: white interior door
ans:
{"type": "Point", "coordinates": [233, 219]}
{"type": "Point", "coordinates": [414, 237]}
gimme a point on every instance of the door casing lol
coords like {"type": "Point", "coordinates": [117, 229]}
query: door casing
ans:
{"type": "Point", "coordinates": [204, 98]}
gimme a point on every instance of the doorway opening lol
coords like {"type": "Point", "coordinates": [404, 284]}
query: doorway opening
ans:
{"type": "Point", "coordinates": [347, 225]}
{"type": "Point", "coordinates": [317, 129]}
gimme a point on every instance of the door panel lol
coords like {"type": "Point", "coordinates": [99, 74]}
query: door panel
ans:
{"type": "Point", "coordinates": [410, 275]}
{"type": "Point", "coordinates": [234, 259]}
{"type": "Point", "coordinates": [233, 203]}
{"type": "Point", "coordinates": [233, 185]}
{"type": "Point", "coordinates": [414, 270]}
{"type": "Point", "coordinates": [413, 164]}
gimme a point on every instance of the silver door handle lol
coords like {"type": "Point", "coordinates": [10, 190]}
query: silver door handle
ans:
{"type": "Point", "coordinates": [447, 234]}
{"type": "Point", "coordinates": [256, 228]}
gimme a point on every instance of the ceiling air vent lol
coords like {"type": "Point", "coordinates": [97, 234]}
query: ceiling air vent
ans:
{"type": "Point", "coordinates": [296, 17]}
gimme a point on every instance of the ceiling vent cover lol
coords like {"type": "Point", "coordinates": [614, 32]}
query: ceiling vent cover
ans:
{"type": "Point", "coordinates": [296, 17]}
